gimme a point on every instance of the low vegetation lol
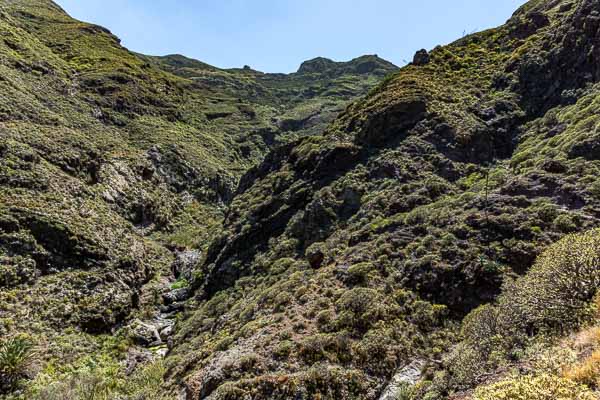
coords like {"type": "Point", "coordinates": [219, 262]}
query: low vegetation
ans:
{"type": "Point", "coordinates": [439, 221]}
{"type": "Point", "coordinates": [16, 356]}
{"type": "Point", "coordinates": [169, 227]}
{"type": "Point", "coordinates": [527, 327]}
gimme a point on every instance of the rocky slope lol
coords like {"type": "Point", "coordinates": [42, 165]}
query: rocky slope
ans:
{"type": "Point", "coordinates": [423, 244]}
{"type": "Point", "coordinates": [115, 169]}
{"type": "Point", "coordinates": [349, 256]}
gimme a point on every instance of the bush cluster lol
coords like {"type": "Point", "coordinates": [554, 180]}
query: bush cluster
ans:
{"type": "Point", "coordinates": [543, 387]}
{"type": "Point", "coordinates": [553, 298]}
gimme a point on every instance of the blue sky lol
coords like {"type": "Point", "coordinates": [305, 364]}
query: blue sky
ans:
{"type": "Point", "coordinates": [277, 35]}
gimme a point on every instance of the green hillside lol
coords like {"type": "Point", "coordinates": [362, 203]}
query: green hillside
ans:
{"type": "Point", "coordinates": [114, 166]}
{"type": "Point", "coordinates": [349, 256]}
{"type": "Point", "coordinates": [351, 231]}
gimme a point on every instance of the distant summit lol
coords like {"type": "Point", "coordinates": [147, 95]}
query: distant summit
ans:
{"type": "Point", "coordinates": [319, 64]}
{"type": "Point", "coordinates": [177, 63]}
{"type": "Point", "coordinates": [366, 64]}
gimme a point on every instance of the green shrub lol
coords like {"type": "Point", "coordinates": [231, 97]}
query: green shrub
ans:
{"type": "Point", "coordinates": [543, 387]}
{"type": "Point", "coordinates": [465, 365]}
{"type": "Point", "coordinates": [180, 284]}
{"type": "Point", "coordinates": [480, 328]}
{"type": "Point", "coordinates": [547, 212]}
{"type": "Point", "coordinates": [537, 231]}
{"type": "Point", "coordinates": [557, 291]}
{"type": "Point", "coordinates": [281, 301]}
{"type": "Point", "coordinates": [436, 187]}
{"type": "Point", "coordinates": [322, 347]}
{"type": "Point", "coordinates": [325, 320]}
{"type": "Point", "coordinates": [147, 382]}
{"type": "Point", "coordinates": [565, 223]}
{"type": "Point", "coordinates": [360, 272]}
{"type": "Point", "coordinates": [283, 349]}
{"type": "Point", "coordinates": [98, 380]}
{"type": "Point", "coordinates": [595, 188]}
{"type": "Point", "coordinates": [405, 392]}
{"type": "Point", "coordinates": [16, 355]}
{"type": "Point", "coordinates": [360, 308]}
{"type": "Point", "coordinates": [555, 296]}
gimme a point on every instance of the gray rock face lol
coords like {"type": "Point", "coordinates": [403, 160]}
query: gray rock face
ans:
{"type": "Point", "coordinates": [144, 334]}
{"type": "Point", "coordinates": [421, 57]}
{"type": "Point", "coordinates": [409, 375]}
{"type": "Point", "coordinates": [176, 295]}
{"type": "Point", "coordinates": [135, 358]}
{"type": "Point", "coordinates": [184, 263]}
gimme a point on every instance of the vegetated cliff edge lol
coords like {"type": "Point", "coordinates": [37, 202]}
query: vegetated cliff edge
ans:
{"type": "Point", "coordinates": [348, 255]}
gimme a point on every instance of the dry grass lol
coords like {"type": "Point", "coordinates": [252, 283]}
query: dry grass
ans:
{"type": "Point", "coordinates": [586, 372]}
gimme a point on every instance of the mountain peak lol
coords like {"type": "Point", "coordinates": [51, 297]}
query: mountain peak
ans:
{"type": "Point", "coordinates": [361, 65]}
{"type": "Point", "coordinates": [316, 65]}
{"type": "Point", "coordinates": [181, 61]}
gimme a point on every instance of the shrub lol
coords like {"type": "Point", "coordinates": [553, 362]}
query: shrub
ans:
{"type": "Point", "coordinates": [360, 272]}
{"type": "Point", "coordinates": [325, 321]}
{"type": "Point", "coordinates": [360, 308]}
{"type": "Point", "coordinates": [480, 328]}
{"type": "Point", "coordinates": [465, 365]}
{"type": "Point", "coordinates": [99, 381]}
{"type": "Point", "coordinates": [565, 223]}
{"type": "Point", "coordinates": [180, 284]}
{"type": "Point", "coordinates": [405, 392]}
{"type": "Point", "coordinates": [281, 301]}
{"type": "Point", "coordinates": [595, 188]}
{"type": "Point", "coordinates": [547, 212]}
{"type": "Point", "coordinates": [436, 187]}
{"type": "Point", "coordinates": [557, 291]}
{"type": "Point", "coordinates": [586, 373]}
{"type": "Point", "coordinates": [543, 387]}
{"type": "Point", "coordinates": [283, 349]}
{"type": "Point", "coordinates": [147, 382]}
{"type": "Point", "coordinates": [554, 296]}
{"type": "Point", "coordinates": [321, 347]}
{"type": "Point", "coordinates": [79, 387]}
{"type": "Point", "coordinates": [16, 355]}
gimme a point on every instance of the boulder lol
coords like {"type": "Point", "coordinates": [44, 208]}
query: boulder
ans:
{"type": "Point", "coordinates": [135, 358]}
{"type": "Point", "coordinates": [407, 376]}
{"type": "Point", "coordinates": [166, 332]}
{"type": "Point", "coordinates": [421, 57]}
{"type": "Point", "coordinates": [315, 255]}
{"type": "Point", "coordinates": [176, 295]}
{"type": "Point", "coordinates": [554, 166]}
{"type": "Point", "coordinates": [144, 334]}
{"type": "Point", "coordinates": [185, 262]}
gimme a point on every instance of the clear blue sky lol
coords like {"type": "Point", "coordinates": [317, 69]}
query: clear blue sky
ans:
{"type": "Point", "coordinates": [277, 35]}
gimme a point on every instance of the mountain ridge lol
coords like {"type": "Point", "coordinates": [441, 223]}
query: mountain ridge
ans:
{"type": "Point", "coordinates": [173, 230]}
{"type": "Point", "coordinates": [305, 67]}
